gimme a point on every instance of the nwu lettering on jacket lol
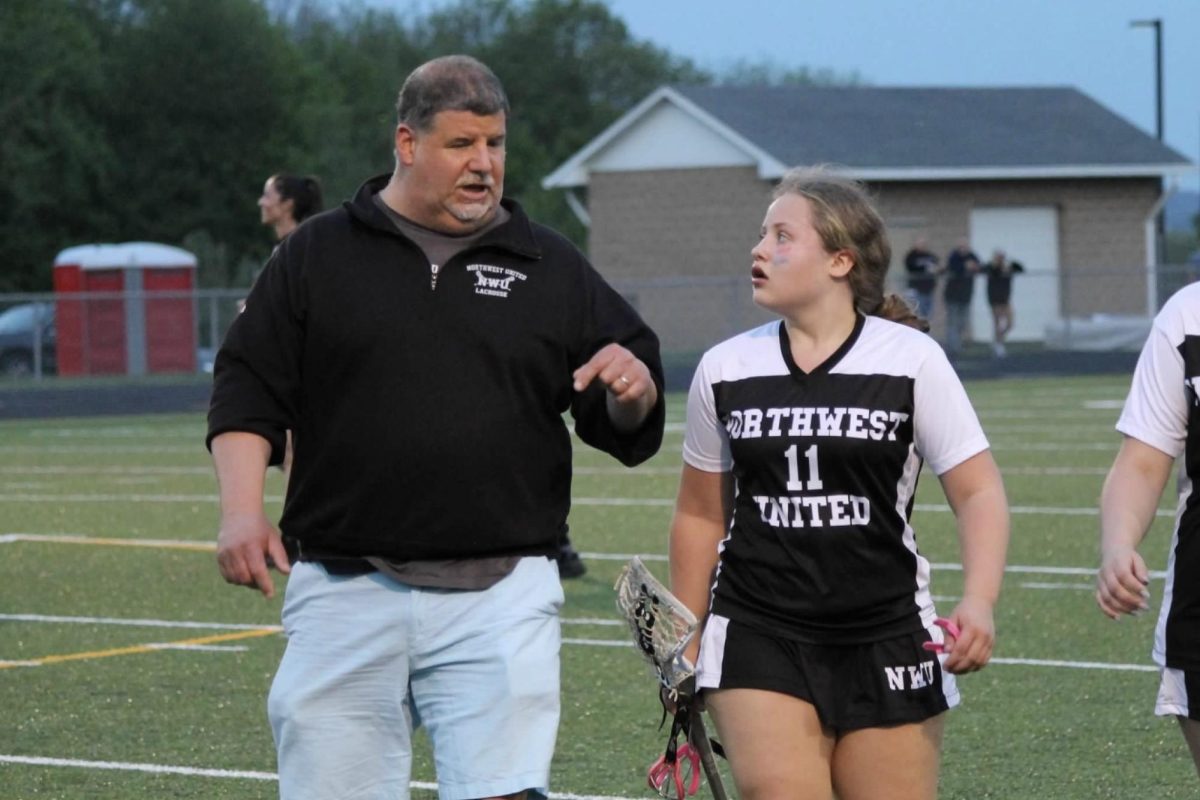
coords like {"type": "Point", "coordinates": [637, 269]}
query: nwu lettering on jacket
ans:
{"type": "Point", "coordinates": [494, 281]}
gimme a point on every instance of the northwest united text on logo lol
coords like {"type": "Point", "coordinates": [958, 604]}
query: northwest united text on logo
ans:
{"type": "Point", "coordinates": [494, 281]}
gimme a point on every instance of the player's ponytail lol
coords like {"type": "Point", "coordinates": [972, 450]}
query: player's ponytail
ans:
{"type": "Point", "coordinates": [845, 219]}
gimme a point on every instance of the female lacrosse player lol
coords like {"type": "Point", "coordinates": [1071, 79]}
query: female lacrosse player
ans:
{"type": "Point", "coordinates": [1160, 422]}
{"type": "Point", "coordinates": [805, 438]}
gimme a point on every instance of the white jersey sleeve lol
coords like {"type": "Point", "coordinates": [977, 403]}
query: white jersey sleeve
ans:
{"type": "Point", "coordinates": [1156, 409]}
{"type": "Point", "coordinates": [705, 442]}
{"type": "Point", "coordinates": [946, 430]}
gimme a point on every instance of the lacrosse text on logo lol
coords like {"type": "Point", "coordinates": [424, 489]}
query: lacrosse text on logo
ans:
{"type": "Point", "coordinates": [494, 281]}
{"type": "Point", "coordinates": [803, 468]}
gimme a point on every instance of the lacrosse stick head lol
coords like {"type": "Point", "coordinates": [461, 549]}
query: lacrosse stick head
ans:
{"type": "Point", "coordinates": [661, 625]}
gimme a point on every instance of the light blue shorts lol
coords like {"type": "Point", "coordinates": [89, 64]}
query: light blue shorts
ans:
{"type": "Point", "coordinates": [369, 659]}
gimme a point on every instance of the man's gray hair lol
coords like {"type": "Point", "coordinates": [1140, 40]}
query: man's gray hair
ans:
{"type": "Point", "coordinates": [449, 83]}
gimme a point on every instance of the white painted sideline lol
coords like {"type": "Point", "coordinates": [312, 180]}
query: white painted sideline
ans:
{"type": "Point", "coordinates": [566, 621]}
{"type": "Point", "coordinates": [165, 769]}
{"type": "Point", "coordinates": [199, 544]}
{"type": "Point", "coordinates": [664, 502]}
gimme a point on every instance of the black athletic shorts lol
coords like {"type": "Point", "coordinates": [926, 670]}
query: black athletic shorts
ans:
{"type": "Point", "coordinates": [851, 686]}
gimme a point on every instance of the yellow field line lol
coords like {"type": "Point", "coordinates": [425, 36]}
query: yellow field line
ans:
{"type": "Point", "coordinates": [137, 649]}
{"type": "Point", "coordinates": [206, 547]}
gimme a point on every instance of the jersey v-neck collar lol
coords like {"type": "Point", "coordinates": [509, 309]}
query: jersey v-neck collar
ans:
{"type": "Point", "coordinates": [785, 348]}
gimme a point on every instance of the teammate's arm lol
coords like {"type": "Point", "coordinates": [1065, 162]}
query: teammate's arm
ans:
{"type": "Point", "coordinates": [246, 538]}
{"type": "Point", "coordinates": [1128, 503]}
{"type": "Point", "coordinates": [976, 494]}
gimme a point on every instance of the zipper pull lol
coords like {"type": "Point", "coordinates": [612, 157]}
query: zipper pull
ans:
{"type": "Point", "coordinates": [433, 273]}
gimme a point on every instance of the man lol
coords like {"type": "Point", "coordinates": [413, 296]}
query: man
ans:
{"type": "Point", "coordinates": [423, 342]}
{"type": "Point", "coordinates": [922, 267]}
{"type": "Point", "coordinates": [1000, 270]}
{"type": "Point", "coordinates": [961, 267]}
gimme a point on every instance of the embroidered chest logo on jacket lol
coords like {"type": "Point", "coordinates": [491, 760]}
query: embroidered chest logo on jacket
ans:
{"type": "Point", "coordinates": [494, 281]}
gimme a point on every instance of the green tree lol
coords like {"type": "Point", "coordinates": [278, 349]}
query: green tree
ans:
{"type": "Point", "coordinates": [57, 165]}
{"type": "Point", "coordinates": [570, 69]}
{"type": "Point", "coordinates": [351, 71]}
{"type": "Point", "coordinates": [204, 107]}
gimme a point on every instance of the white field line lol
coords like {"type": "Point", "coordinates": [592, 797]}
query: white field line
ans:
{"type": "Point", "coordinates": [634, 472]}
{"type": "Point", "coordinates": [208, 546]}
{"type": "Point", "coordinates": [251, 775]}
{"type": "Point", "coordinates": [208, 471]}
{"type": "Point", "coordinates": [21, 449]}
{"type": "Point", "coordinates": [567, 621]}
{"type": "Point", "coordinates": [105, 470]}
{"type": "Point", "coordinates": [661, 502]}
{"type": "Point", "coordinates": [1088, 587]}
{"type": "Point", "coordinates": [119, 432]}
{"type": "Point", "coordinates": [138, 623]}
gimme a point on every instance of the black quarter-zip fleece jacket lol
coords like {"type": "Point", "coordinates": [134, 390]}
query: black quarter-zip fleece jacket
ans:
{"type": "Point", "coordinates": [428, 419]}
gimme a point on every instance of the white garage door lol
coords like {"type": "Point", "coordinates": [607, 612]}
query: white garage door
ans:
{"type": "Point", "coordinates": [1028, 234]}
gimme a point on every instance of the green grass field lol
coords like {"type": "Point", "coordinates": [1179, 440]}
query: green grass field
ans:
{"type": "Point", "coordinates": [129, 670]}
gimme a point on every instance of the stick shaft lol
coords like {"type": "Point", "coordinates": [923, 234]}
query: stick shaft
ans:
{"type": "Point", "coordinates": [698, 736]}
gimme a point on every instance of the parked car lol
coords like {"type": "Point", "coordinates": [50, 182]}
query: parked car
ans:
{"type": "Point", "coordinates": [17, 339]}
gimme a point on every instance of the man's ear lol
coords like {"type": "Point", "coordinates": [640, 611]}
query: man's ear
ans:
{"type": "Point", "coordinates": [406, 144]}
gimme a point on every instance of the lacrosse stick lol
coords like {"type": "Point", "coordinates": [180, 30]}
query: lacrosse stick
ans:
{"type": "Point", "coordinates": [662, 627]}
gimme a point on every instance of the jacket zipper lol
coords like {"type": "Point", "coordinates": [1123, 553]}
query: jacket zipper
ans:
{"type": "Point", "coordinates": [433, 273]}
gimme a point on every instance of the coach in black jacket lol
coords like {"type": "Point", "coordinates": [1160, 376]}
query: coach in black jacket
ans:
{"type": "Point", "coordinates": [423, 343]}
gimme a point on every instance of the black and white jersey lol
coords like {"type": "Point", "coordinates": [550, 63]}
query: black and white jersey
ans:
{"type": "Point", "coordinates": [825, 466]}
{"type": "Point", "coordinates": [1162, 410]}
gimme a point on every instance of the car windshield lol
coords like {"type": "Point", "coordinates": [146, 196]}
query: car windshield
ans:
{"type": "Point", "coordinates": [19, 319]}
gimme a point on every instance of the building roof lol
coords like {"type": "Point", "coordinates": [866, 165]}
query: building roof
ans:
{"type": "Point", "coordinates": [882, 133]}
{"type": "Point", "coordinates": [125, 255]}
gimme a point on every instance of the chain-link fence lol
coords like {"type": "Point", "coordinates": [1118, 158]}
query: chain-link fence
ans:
{"type": "Point", "coordinates": [141, 333]}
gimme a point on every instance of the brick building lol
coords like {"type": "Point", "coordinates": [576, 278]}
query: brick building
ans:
{"type": "Point", "coordinates": [675, 190]}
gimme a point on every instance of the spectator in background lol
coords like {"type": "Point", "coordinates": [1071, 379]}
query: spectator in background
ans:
{"type": "Point", "coordinates": [961, 267]}
{"type": "Point", "coordinates": [1000, 271]}
{"type": "Point", "coordinates": [922, 267]}
{"type": "Point", "coordinates": [1160, 423]}
{"type": "Point", "coordinates": [287, 200]}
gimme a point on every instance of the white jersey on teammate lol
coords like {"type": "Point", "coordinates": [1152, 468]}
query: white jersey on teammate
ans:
{"type": "Point", "coordinates": [1162, 410]}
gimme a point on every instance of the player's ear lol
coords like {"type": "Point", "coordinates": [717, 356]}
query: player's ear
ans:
{"type": "Point", "coordinates": [841, 264]}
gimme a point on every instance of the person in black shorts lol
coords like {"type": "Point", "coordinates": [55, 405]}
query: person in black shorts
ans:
{"type": "Point", "coordinates": [1160, 424]}
{"type": "Point", "coordinates": [792, 536]}
{"type": "Point", "coordinates": [923, 267]}
{"type": "Point", "coordinates": [1000, 270]}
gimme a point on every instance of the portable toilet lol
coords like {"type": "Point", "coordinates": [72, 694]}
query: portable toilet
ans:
{"type": "Point", "coordinates": [125, 309]}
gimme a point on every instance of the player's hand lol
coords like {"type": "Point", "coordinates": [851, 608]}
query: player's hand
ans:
{"type": "Point", "coordinates": [972, 649]}
{"type": "Point", "coordinates": [1121, 583]}
{"type": "Point", "coordinates": [628, 379]}
{"type": "Point", "coordinates": [247, 546]}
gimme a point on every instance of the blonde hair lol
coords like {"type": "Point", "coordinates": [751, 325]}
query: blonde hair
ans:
{"type": "Point", "coordinates": [846, 220]}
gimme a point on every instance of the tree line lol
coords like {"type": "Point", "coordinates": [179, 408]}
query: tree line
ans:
{"type": "Point", "coordinates": [159, 120]}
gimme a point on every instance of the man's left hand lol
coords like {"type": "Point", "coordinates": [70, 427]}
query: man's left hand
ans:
{"type": "Point", "coordinates": [627, 378]}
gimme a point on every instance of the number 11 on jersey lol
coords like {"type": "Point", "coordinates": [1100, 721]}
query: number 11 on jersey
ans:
{"type": "Point", "coordinates": [794, 483]}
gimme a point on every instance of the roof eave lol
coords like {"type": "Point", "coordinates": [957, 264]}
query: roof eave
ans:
{"type": "Point", "coordinates": [1039, 172]}
{"type": "Point", "coordinates": [575, 172]}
